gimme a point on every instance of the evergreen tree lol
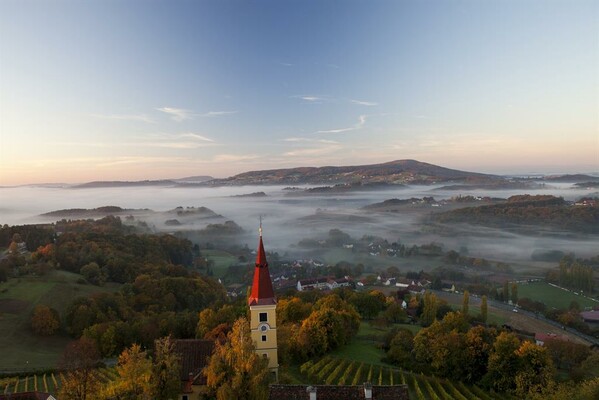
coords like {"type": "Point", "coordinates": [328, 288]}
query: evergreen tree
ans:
{"type": "Point", "coordinates": [465, 303]}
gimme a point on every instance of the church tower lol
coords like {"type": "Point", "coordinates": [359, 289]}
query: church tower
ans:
{"type": "Point", "coordinates": [263, 306]}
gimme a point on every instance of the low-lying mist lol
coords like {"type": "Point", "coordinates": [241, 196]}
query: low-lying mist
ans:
{"type": "Point", "coordinates": [289, 216]}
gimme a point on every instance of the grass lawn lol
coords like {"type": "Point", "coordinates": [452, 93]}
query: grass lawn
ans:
{"type": "Point", "coordinates": [20, 348]}
{"type": "Point", "coordinates": [366, 345]}
{"type": "Point", "coordinates": [552, 296]}
{"type": "Point", "coordinates": [222, 261]}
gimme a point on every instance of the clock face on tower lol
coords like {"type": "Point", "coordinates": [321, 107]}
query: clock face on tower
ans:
{"type": "Point", "coordinates": [263, 327]}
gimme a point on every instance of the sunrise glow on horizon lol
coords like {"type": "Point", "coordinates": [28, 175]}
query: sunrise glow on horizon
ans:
{"type": "Point", "coordinates": [128, 90]}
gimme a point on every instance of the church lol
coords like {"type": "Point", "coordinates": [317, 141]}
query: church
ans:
{"type": "Point", "coordinates": [263, 312]}
{"type": "Point", "coordinates": [263, 325]}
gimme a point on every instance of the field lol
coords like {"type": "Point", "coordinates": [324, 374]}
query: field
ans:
{"type": "Point", "coordinates": [366, 345]}
{"type": "Point", "coordinates": [334, 255]}
{"type": "Point", "coordinates": [20, 348]}
{"type": "Point", "coordinates": [552, 296]}
{"type": "Point", "coordinates": [344, 371]}
{"type": "Point", "coordinates": [222, 261]}
{"type": "Point", "coordinates": [45, 382]}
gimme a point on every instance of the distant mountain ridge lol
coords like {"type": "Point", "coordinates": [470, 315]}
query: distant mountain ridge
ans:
{"type": "Point", "coordinates": [191, 180]}
{"type": "Point", "coordinates": [394, 172]}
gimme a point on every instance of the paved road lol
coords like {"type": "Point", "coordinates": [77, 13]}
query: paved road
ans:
{"type": "Point", "coordinates": [540, 317]}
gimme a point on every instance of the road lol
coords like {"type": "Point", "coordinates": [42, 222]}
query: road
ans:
{"type": "Point", "coordinates": [533, 319]}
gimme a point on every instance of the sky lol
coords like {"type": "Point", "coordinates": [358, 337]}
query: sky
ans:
{"type": "Point", "coordinates": [135, 90]}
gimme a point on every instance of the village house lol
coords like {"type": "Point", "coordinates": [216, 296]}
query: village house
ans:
{"type": "Point", "coordinates": [313, 283]}
{"type": "Point", "coordinates": [194, 355]}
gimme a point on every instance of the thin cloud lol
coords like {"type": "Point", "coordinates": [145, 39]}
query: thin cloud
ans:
{"type": "Point", "coordinates": [359, 125]}
{"type": "Point", "coordinates": [195, 136]}
{"type": "Point", "coordinates": [313, 99]}
{"type": "Point", "coordinates": [364, 103]}
{"type": "Point", "coordinates": [312, 151]}
{"type": "Point", "coordinates": [285, 64]}
{"type": "Point", "coordinates": [137, 160]}
{"type": "Point", "coordinates": [309, 140]}
{"type": "Point", "coordinates": [217, 113]}
{"type": "Point", "coordinates": [234, 157]}
{"type": "Point", "coordinates": [125, 117]}
{"type": "Point", "coordinates": [177, 114]}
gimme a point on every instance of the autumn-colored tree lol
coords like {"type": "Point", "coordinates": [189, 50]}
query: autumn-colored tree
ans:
{"type": "Point", "coordinates": [514, 294]}
{"type": "Point", "coordinates": [13, 248]}
{"type": "Point", "coordinates": [166, 367]}
{"type": "Point", "coordinates": [483, 309]}
{"type": "Point", "coordinates": [479, 343]}
{"type": "Point", "coordinates": [465, 302]}
{"type": "Point", "coordinates": [235, 371]}
{"type": "Point", "coordinates": [503, 363]}
{"type": "Point", "coordinates": [400, 349]}
{"type": "Point", "coordinates": [566, 354]}
{"type": "Point", "coordinates": [45, 320]}
{"type": "Point", "coordinates": [93, 274]}
{"type": "Point", "coordinates": [395, 313]}
{"type": "Point", "coordinates": [429, 313]}
{"type": "Point", "coordinates": [292, 310]}
{"type": "Point", "coordinates": [134, 373]}
{"type": "Point", "coordinates": [368, 304]}
{"type": "Point", "coordinates": [81, 379]}
{"type": "Point", "coordinates": [442, 346]}
{"type": "Point", "coordinates": [506, 291]}
{"type": "Point", "coordinates": [535, 369]}
{"type": "Point", "coordinates": [209, 319]}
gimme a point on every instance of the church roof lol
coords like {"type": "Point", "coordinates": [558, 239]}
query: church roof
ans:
{"type": "Point", "coordinates": [262, 292]}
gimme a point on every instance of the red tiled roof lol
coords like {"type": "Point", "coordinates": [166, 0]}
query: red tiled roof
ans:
{"type": "Point", "coordinates": [590, 316]}
{"type": "Point", "coordinates": [262, 291]}
{"type": "Point", "coordinates": [194, 354]}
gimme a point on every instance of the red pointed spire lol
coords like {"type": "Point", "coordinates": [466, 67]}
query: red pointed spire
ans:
{"type": "Point", "coordinates": [262, 292]}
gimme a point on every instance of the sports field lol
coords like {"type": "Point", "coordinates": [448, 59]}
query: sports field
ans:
{"type": "Point", "coordinates": [554, 297]}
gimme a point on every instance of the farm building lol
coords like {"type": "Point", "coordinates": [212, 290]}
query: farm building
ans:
{"type": "Point", "coordinates": [590, 317]}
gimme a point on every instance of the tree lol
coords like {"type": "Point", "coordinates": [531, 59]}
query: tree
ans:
{"type": "Point", "coordinates": [134, 373]}
{"type": "Point", "coordinates": [292, 310]}
{"type": "Point", "coordinates": [429, 312]}
{"type": "Point", "coordinates": [45, 320]}
{"type": "Point", "coordinates": [506, 291]}
{"type": "Point", "coordinates": [514, 296]}
{"type": "Point", "coordinates": [166, 376]}
{"type": "Point", "coordinates": [93, 274]}
{"type": "Point", "coordinates": [395, 313]}
{"type": "Point", "coordinates": [535, 369]}
{"type": "Point", "coordinates": [234, 370]}
{"type": "Point", "coordinates": [400, 349]}
{"type": "Point", "coordinates": [503, 363]}
{"type": "Point", "coordinates": [483, 309]}
{"type": "Point", "coordinates": [465, 302]}
{"type": "Point", "coordinates": [81, 379]}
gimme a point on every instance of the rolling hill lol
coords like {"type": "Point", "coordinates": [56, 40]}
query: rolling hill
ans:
{"type": "Point", "coordinates": [394, 172]}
